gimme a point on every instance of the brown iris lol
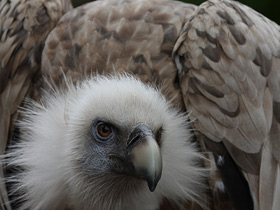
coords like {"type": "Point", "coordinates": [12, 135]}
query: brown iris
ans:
{"type": "Point", "coordinates": [104, 130]}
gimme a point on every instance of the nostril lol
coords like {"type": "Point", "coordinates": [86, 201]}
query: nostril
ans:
{"type": "Point", "coordinates": [133, 140]}
{"type": "Point", "coordinates": [138, 133]}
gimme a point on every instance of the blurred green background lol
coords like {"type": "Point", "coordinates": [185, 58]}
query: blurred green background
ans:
{"type": "Point", "coordinates": [269, 8]}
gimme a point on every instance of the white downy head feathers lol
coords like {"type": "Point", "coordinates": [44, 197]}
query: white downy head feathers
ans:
{"type": "Point", "coordinates": [63, 166]}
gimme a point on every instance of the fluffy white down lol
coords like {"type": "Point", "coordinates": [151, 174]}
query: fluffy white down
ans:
{"type": "Point", "coordinates": [51, 131]}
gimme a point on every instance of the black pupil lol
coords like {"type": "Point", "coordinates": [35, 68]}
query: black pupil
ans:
{"type": "Point", "coordinates": [104, 130]}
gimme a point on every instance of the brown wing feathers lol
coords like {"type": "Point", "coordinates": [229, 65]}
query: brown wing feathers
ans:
{"type": "Point", "coordinates": [24, 26]}
{"type": "Point", "coordinates": [126, 37]}
{"type": "Point", "coordinates": [228, 57]}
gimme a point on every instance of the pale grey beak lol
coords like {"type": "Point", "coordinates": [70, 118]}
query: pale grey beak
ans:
{"type": "Point", "coordinates": [145, 155]}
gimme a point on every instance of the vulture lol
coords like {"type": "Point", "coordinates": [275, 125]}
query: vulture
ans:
{"type": "Point", "coordinates": [138, 104]}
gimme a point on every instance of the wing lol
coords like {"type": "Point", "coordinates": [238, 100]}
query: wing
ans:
{"type": "Point", "coordinates": [24, 26]}
{"type": "Point", "coordinates": [228, 61]}
{"type": "Point", "coordinates": [105, 36]}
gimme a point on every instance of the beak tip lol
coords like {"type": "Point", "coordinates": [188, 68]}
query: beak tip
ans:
{"type": "Point", "coordinates": [152, 186]}
{"type": "Point", "coordinates": [152, 182]}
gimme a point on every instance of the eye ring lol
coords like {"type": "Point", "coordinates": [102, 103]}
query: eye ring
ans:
{"type": "Point", "coordinates": [104, 131]}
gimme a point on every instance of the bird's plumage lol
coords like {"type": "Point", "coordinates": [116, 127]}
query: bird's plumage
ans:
{"type": "Point", "coordinates": [127, 36]}
{"type": "Point", "coordinates": [228, 60]}
{"type": "Point", "coordinates": [24, 26]}
{"type": "Point", "coordinates": [218, 61]}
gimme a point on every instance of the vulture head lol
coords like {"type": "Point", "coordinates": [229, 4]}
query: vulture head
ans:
{"type": "Point", "coordinates": [106, 143]}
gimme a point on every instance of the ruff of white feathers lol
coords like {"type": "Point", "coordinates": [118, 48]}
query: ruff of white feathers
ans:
{"type": "Point", "coordinates": [52, 131]}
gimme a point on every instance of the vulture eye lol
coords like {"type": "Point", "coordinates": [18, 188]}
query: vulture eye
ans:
{"type": "Point", "coordinates": [103, 131]}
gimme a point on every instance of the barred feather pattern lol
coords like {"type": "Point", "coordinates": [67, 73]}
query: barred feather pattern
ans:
{"type": "Point", "coordinates": [228, 61]}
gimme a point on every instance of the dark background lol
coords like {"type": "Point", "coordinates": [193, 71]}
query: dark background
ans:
{"type": "Point", "coordinates": [269, 8]}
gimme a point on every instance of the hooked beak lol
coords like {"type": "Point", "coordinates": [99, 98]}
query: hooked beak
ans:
{"type": "Point", "coordinates": [145, 155]}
